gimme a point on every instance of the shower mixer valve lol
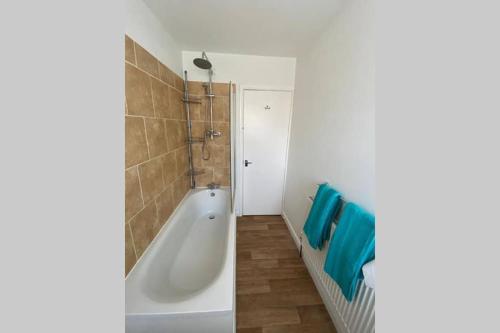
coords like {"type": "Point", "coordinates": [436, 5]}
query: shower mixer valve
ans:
{"type": "Point", "coordinates": [212, 134]}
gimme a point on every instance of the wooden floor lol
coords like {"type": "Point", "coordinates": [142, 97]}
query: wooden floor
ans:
{"type": "Point", "coordinates": [274, 292]}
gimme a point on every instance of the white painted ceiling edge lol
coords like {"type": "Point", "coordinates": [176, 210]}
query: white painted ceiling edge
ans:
{"type": "Point", "coordinates": [260, 27]}
{"type": "Point", "coordinates": [142, 25]}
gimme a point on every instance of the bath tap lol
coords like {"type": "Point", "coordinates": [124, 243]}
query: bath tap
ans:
{"type": "Point", "coordinates": [213, 186]}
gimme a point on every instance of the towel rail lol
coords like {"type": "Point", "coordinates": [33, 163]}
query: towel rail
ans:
{"type": "Point", "coordinates": [342, 204]}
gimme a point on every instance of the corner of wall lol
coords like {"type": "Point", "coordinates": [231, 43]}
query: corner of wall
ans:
{"type": "Point", "coordinates": [145, 28]}
{"type": "Point", "coordinates": [296, 236]}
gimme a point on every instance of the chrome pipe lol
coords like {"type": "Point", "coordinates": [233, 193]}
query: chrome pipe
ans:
{"type": "Point", "coordinates": [190, 136]}
{"type": "Point", "coordinates": [210, 96]}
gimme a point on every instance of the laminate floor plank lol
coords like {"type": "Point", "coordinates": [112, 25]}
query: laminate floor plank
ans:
{"type": "Point", "coordinates": [274, 291]}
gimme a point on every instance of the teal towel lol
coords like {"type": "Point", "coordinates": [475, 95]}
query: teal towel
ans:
{"type": "Point", "coordinates": [352, 245]}
{"type": "Point", "coordinates": [325, 206]}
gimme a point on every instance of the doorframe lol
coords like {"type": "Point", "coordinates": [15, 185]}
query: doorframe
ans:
{"type": "Point", "coordinates": [240, 151]}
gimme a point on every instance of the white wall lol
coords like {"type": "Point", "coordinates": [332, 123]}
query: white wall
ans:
{"type": "Point", "coordinates": [243, 69]}
{"type": "Point", "coordinates": [144, 27]}
{"type": "Point", "coordinates": [332, 135]}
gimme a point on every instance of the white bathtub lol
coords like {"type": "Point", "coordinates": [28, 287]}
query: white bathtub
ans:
{"type": "Point", "coordinates": [185, 281]}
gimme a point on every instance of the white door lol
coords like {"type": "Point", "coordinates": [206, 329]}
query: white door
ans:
{"type": "Point", "coordinates": [266, 118]}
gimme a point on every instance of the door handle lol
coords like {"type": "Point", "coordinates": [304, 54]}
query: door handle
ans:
{"type": "Point", "coordinates": [247, 163]}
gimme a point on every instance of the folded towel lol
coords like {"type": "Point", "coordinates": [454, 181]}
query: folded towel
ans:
{"type": "Point", "coordinates": [325, 206]}
{"type": "Point", "coordinates": [352, 245]}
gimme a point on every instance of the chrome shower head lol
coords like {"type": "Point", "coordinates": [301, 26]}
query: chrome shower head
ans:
{"type": "Point", "coordinates": [202, 62]}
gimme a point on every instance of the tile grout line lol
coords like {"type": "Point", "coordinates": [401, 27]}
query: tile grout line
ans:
{"type": "Point", "coordinates": [165, 118]}
{"type": "Point", "coordinates": [166, 133]}
{"type": "Point", "coordinates": [148, 74]}
{"type": "Point", "coordinates": [170, 85]}
{"type": "Point", "coordinates": [140, 186]}
{"type": "Point", "coordinates": [133, 242]}
{"type": "Point", "coordinates": [135, 53]}
{"type": "Point", "coordinates": [152, 97]}
{"type": "Point", "coordinates": [146, 134]}
{"type": "Point", "coordinates": [158, 65]}
{"type": "Point", "coordinates": [154, 158]}
{"type": "Point", "coordinates": [154, 198]}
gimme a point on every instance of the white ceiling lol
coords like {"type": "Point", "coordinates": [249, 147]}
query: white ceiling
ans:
{"type": "Point", "coordinates": [261, 27]}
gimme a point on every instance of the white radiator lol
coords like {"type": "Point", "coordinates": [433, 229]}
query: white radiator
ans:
{"type": "Point", "coordinates": [355, 317]}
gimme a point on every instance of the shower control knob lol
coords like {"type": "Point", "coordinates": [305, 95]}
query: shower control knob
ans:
{"type": "Point", "coordinates": [247, 163]}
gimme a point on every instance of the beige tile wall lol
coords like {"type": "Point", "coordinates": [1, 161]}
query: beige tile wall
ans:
{"type": "Point", "coordinates": [156, 158]}
{"type": "Point", "coordinates": [216, 169]}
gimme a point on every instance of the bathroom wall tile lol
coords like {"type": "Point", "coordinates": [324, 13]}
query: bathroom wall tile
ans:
{"type": "Point", "coordinates": [176, 134]}
{"type": "Point", "coordinates": [180, 186]}
{"type": "Point", "coordinates": [157, 139]}
{"type": "Point", "coordinates": [182, 160]}
{"type": "Point", "coordinates": [218, 155]}
{"type": "Point", "coordinates": [221, 176]}
{"type": "Point", "coordinates": [138, 92]}
{"type": "Point", "coordinates": [197, 161]}
{"type": "Point", "coordinates": [143, 228]}
{"type": "Point", "coordinates": [129, 50]}
{"type": "Point", "coordinates": [154, 185]}
{"type": "Point", "coordinates": [165, 205]}
{"type": "Point", "coordinates": [173, 134]}
{"type": "Point", "coordinates": [196, 88]}
{"type": "Point", "coordinates": [136, 150]}
{"type": "Point", "coordinates": [151, 175]}
{"type": "Point", "coordinates": [205, 178]}
{"type": "Point", "coordinates": [169, 167]}
{"type": "Point", "coordinates": [198, 129]}
{"type": "Point", "coordinates": [184, 132]}
{"type": "Point", "coordinates": [221, 109]}
{"type": "Point", "coordinates": [130, 258]}
{"type": "Point", "coordinates": [133, 195]}
{"type": "Point", "coordinates": [186, 184]}
{"type": "Point", "coordinates": [176, 104]}
{"type": "Point", "coordinates": [166, 75]}
{"type": "Point", "coordinates": [178, 82]}
{"type": "Point", "coordinates": [161, 99]}
{"type": "Point", "coordinates": [220, 89]}
{"type": "Point", "coordinates": [146, 61]}
{"type": "Point", "coordinates": [198, 110]}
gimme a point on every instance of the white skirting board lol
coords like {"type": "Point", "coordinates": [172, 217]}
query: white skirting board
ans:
{"type": "Point", "coordinates": [355, 317]}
